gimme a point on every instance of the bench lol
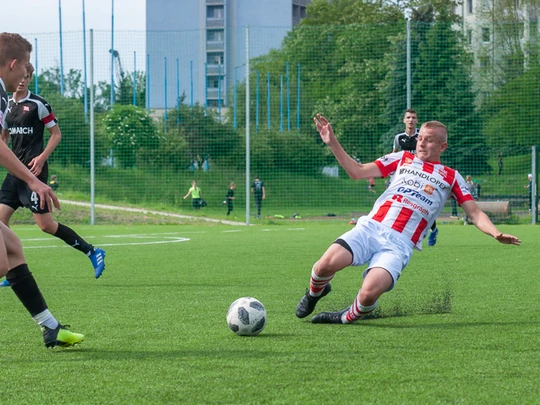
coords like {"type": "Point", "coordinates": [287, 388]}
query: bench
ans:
{"type": "Point", "coordinates": [499, 209]}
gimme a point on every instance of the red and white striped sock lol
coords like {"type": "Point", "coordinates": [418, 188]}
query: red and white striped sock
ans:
{"type": "Point", "coordinates": [317, 284]}
{"type": "Point", "coordinates": [357, 310]}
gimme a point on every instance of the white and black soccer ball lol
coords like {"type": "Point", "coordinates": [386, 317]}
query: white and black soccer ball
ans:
{"type": "Point", "coordinates": [246, 316]}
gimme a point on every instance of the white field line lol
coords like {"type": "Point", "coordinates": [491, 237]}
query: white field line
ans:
{"type": "Point", "coordinates": [144, 211]}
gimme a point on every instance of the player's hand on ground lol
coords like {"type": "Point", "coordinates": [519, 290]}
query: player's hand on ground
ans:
{"type": "Point", "coordinates": [508, 239]}
{"type": "Point", "coordinates": [47, 198]}
{"type": "Point", "coordinates": [324, 128]}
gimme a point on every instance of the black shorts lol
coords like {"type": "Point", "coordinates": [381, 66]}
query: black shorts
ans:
{"type": "Point", "coordinates": [15, 193]}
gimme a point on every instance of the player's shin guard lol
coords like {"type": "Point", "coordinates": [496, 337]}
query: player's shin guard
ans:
{"type": "Point", "coordinates": [26, 289]}
{"type": "Point", "coordinates": [317, 284]}
{"type": "Point", "coordinates": [358, 311]}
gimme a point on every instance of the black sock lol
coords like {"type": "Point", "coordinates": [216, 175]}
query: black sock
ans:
{"type": "Point", "coordinates": [69, 236]}
{"type": "Point", "coordinates": [24, 286]}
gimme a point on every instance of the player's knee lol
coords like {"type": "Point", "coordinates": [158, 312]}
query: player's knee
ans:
{"type": "Point", "coordinates": [49, 228]}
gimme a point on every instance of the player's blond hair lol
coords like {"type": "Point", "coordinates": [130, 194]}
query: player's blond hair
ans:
{"type": "Point", "coordinates": [437, 125]}
{"type": "Point", "coordinates": [29, 69]}
{"type": "Point", "coordinates": [13, 46]}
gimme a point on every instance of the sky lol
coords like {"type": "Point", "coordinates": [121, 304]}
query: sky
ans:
{"type": "Point", "coordinates": [38, 21]}
{"type": "Point", "coordinates": [41, 16]}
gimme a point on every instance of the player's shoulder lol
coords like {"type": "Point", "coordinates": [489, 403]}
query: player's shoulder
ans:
{"type": "Point", "coordinates": [37, 99]}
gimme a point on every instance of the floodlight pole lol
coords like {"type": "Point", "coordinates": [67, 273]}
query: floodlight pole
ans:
{"type": "Point", "coordinates": [534, 188]}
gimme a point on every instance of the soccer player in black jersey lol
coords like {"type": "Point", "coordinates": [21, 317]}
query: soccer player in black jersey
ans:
{"type": "Point", "coordinates": [407, 141]}
{"type": "Point", "coordinates": [27, 117]}
{"type": "Point", "coordinates": [14, 56]}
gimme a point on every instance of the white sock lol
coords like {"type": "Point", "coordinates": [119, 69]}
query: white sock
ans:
{"type": "Point", "coordinates": [45, 318]}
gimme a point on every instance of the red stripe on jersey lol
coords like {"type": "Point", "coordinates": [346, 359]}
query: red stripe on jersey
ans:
{"type": "Point", "coordinates": [48, 118]}
{"type": "Point", "coordinates": [460, 197]}
{"type": "Point", "coordinates": [383, 210]}
{"type": "Point", "coordinates": [419, 229]}
{"type": "Point", "coordinates": [448, 174]}
{"type": "Point", "coordinates": [386, 170]}
{"type": "Point", "coordinates": [428, 167]}
{"type": "Point", "coordinates": [402, 219]}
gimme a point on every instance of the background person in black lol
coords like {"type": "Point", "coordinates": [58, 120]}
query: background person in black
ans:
{"type": "Point", "coordinates": [407, 141]}
{"type": "Point", "coordinates": [25, 122]}
{"type": "Point", "coordinates": [14, 55]}
{"type": "Point", "coordinates": [259, 192]}
{"type": "Point", "coordinates": [229, 198]}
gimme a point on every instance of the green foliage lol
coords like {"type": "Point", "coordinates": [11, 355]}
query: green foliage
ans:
{"type": "Point", "coordinates": [510, 114]}
{"type": "Point", "coordinates": [195, 133]}
{"type": "Point", "coordinates": [132, 132]}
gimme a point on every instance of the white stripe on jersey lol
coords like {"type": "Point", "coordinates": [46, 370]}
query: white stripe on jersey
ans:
{"type": "Point", "coordinates": [416, 194]}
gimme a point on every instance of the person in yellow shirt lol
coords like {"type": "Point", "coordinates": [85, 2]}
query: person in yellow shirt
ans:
{"type": "Point", "coordinates": [196, 195]}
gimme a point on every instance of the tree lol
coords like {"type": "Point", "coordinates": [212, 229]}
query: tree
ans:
{"type": "Point", "coordinates": [132, 132]}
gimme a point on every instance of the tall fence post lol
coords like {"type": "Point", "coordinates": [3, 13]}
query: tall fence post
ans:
{"type": "Point", "coordinates": [248, 168]}
{"type": "Point", "coordinates": [92, 128]}
{"type": "Point", "coordinates": [534, 186]}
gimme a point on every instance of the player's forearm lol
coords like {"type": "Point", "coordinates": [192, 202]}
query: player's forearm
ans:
{"type": "Point", "coordinates": [54, 140]}
{"type": "Point", "coordinates": [483, 223]}
{"type": "Point", "coordinates": [351, 166]}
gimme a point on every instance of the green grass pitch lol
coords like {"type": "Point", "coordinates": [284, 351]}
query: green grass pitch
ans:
{"type": "Point", "coordinates": [461, 326]}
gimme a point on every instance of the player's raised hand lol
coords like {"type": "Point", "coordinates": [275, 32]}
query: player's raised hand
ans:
{"type": "Point", "coordinates": [506, 239]}
{"type": "Point", "coordinates": [45, 193]}
{"type": "Point", "coordinates": [324, 128]}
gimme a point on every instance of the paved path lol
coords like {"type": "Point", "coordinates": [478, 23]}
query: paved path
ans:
{"type": "Point", "coordinates": [145, 211]}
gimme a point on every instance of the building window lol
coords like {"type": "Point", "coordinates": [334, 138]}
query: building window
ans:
{"type": "Point", "coordinates": [214, 12]}
{"type": "Point", "coordinates": [485, 34]}
{"type": "Point", "coordinates": [469, 6]}
{"type": "Point", "coordinates": [215, 35]}
{"type": "Point", "coordinates": [469, 37]}
{"type": "Point", "coordinates": [215, 58]}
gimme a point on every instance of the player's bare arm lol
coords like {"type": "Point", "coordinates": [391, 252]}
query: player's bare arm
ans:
{"type": "Point", "coordinates": [482, 222]}
{"type": "Point", "coordinates": [5, 136]}
{"type": "Point", "coordinates": [354, 169]}
{"type": "Point", "coordinates": [37, 163]}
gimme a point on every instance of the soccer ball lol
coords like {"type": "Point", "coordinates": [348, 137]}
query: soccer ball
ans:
{"type": "Point", "coordinates": [246, 316]}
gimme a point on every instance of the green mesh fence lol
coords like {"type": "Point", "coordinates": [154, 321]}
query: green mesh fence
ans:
{"type": "Point", "coordinates": [177, 113]}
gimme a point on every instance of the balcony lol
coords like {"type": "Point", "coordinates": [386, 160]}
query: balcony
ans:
{"type": "Point", "coordinates": [215, 46]}
{"type": "Point", "coordinates": [214, 70]}
{"type": "Point", "coordinates": [213, 22]}
{"type": "Point", "coordinates": [215, 2]}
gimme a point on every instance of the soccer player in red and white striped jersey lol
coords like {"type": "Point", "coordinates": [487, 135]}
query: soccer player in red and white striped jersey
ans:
{"type": "Point", "coordinates": [399, 221]}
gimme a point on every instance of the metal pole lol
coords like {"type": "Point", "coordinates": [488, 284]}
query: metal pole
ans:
{"type": "Point", "coordinates": [191, 82]}
{"type": "Point", "coordinates": [92, 157]}
{"type": "Point", "coordinates": [219, 92]}
{"type": "Point", "coordinates": [112, 54]}
{"type": "Point", "coordinates": [248, 168]}
{"type": "Point", "coordinates": [84, 61]}
{"type": "Point", "coordinates": [61, 48]}
{"type": "Point", "coordinates": [280, 103]}
{"type": "Point", "coordinates": [234, 98]}
{"type": "Point", "coordinates": [257, 102]}
{"type": "Point", "coordinates": [165, 114]}
{"type": "Point", "coordinates": [268, 99]}
{"type": "Point", "coordinates": [205, 88]}
{"type": "Point", "coordinates": [178, 85]}
{"type": "Point", "coordinates": [134, 78]}
{"type": "Point", "coordinates": [409, 98]}
{"type": "Point", "coordinates": [36, 90]}
{"type": "Point", "coordinates": [288, 99]}
{"type": "Point", "coordinates": [534, 199]}
{"type": "Point", "coordinates": [298, 102]}
{"type": "Point", "coordinates": [148, 82]}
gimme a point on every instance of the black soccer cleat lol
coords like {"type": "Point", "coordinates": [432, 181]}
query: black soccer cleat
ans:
{"type": "Point", "coordinates": [307, 303]}
{"type": "Point", "coordinates": [60, 336]}
{"type": "Point", "coordinates": [330, 317]}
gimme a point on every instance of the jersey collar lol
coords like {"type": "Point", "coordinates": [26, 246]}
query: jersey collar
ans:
{"type": "Point", "coordinates": [2, 84]}
{"type": "Point", "coordinates": [22, 100]}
